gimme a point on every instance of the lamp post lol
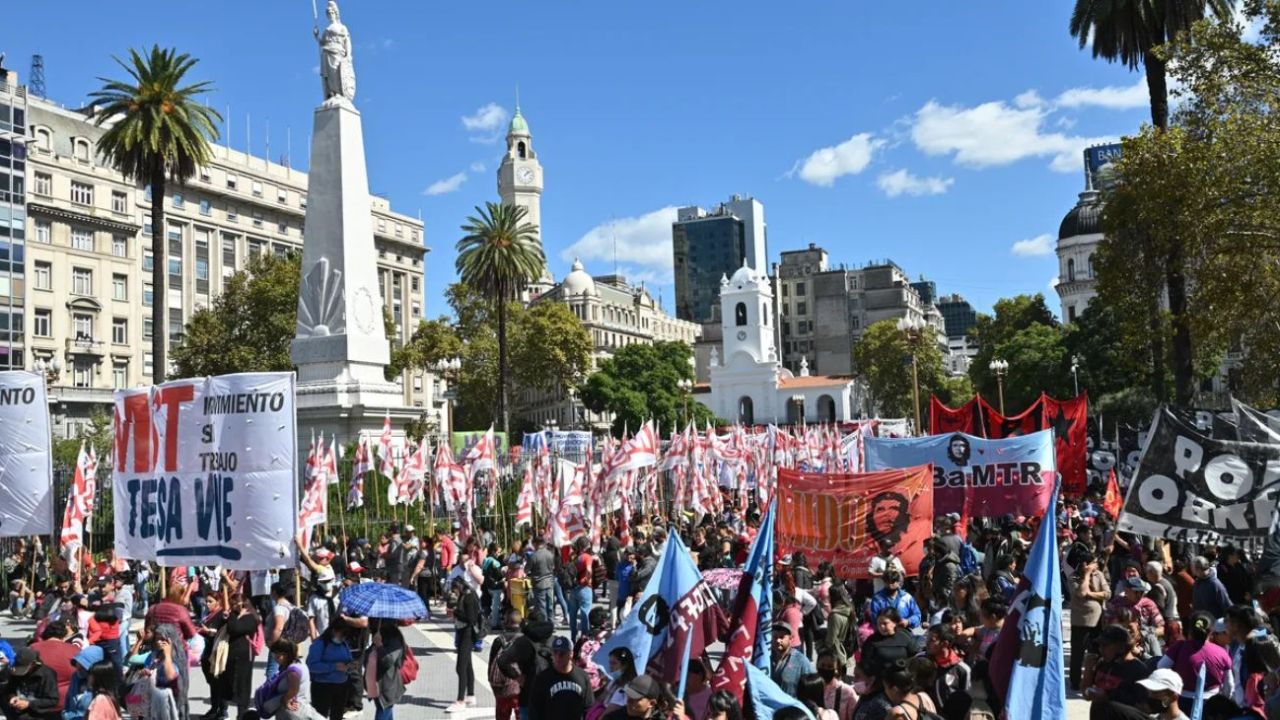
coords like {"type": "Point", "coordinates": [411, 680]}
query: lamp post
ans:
{"type": "Point", "coordinates": [51, 369]}
{"type": "Point", "coordinates": [686, 387]}
{"type": "Point", "coordinates": [913, 328]}
{"type": "Point", "coordinates": [1075, 373]}
{"type": "Point", "coordinates": [1000, 368]}
{"type": "Point", "coordinates": [447, 369]}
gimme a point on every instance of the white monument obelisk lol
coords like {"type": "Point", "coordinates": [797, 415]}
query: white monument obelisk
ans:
{"type": "Point", "coordinates": [340, 347]}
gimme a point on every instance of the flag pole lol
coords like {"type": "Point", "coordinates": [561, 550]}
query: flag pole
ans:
{"type": "Point", "coordinates": [684, 662]}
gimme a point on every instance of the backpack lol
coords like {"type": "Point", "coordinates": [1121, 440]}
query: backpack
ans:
{"type": "Point", "coordinates": [256, 642]}
{"type": "Point", "coordinates": [969, 560]}
{"type": "Point", "coordinates": [568, 577]}
{"type": "Point", "coordinates": [493, 577]}
{"type": "Point", "coordinates": [503, 686]}
{"type": "Point", "coordinates": [408, 666]}
{"type": "Point", "coordinates": [922, 714]}
{"type": "Point", "coordinates": [541, 659]}
{"type": "Point", "coordinates": [599, 573]}
{"type": "Point", "coordinates": [297, 628]}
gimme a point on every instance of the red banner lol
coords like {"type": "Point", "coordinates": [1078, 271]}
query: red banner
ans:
{"type": "Point", "coordinates": [1065, 417]}
{"type": "Point", "coordinates": [848, 518]}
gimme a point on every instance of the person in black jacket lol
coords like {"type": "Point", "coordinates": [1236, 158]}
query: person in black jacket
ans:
{"type": "Point", "coordinates": [528, 654]}
{"type": "Point", "coordinates": [32, 690]}
{"type": "Point", "coordinates": [562, 691]}
{"type": "Point", "coordinates": [466, 618]}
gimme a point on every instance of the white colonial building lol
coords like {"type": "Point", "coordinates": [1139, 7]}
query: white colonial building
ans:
{"type": "Point", "coordinates": [748, 382]}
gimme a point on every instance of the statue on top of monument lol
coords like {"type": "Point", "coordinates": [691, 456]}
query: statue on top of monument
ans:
{"type": "Point", "coordinates": [337, 74]}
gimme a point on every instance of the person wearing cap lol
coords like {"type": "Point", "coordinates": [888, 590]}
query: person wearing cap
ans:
{"type": "Point", "coordinates": [1163, 688]}
{"type": "Point", "coordinates": [321, 604]}
{"type": "Point", "coordinates": [1150, 622]}
{"type": "Point", "coordinates": [788, 664]}
{"type": "Point", "coordinates": [32, 690]}
{"type": "Point", "coordinates": [1188, 655]}
{"type": "Point", "coordinates": [648, 699]}
{"type": "Point", "coordinates": [1208, 594]}
{"type": "Point", "coordinates": [562, 691]}
{"type": "Point", "coordinates": [76, 702]}
{"type": "Point", "coordinates": [1114, 680]}
{"type": "Point", "coordinates": [895, 597]}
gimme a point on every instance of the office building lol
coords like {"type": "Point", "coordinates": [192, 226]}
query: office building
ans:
{"type": "Point", "coordinates": [710, 246]}
{"type": "Point", "coordinates": [13, 151]}
{"type": "Point", "coordinates": [89, 293]}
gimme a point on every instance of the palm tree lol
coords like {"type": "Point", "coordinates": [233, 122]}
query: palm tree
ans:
{"type": "Point", "coordinates": [499, 256]}
{"type": "Point", "coordinates": [158, 132]}
{"type": "Point", "coordinates": [1130, 31]}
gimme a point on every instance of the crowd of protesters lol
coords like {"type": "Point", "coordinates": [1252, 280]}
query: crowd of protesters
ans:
{"type": "Point", "coordinates": [1144, 617]}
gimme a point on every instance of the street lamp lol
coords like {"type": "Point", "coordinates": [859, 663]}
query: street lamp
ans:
{"type": "Point", "coordinates": [913, 328]}
{"type": "Point", "coordinates": [686, 387]}
{"type": "Point", "coordinates": [51, 368]}
{"type": "Point", "coordinates": [1075, 373]}
{"type": "Point", "coordinates": [1000, 368]}
{"type": "Point", "coordinates": [447, 368]}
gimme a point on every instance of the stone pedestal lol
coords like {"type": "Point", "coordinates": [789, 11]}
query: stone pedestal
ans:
{"type": "Point", "coordinates": [340, 347]}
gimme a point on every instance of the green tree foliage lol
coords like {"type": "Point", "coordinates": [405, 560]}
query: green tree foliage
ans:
{"type": "Point", "coordinates": [883, 358]}
{"type": "Point", "coordinates": [552, 348]}
{"type": "Point", "coordinates": [1112, 367]}
{"type": "Point", "coordinates": [642, 382]}
{"type": "Point", "coordinates": [1024, 333]}
{"type": "Point", "coordinates": [249, 326]}
{"type": "Point", "coordinates": [159, 131]}
{"type": "Point", "coordinates": [1199, 203]}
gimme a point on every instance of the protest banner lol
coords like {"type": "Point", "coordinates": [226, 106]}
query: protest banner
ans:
{"type": "Point", "coordinates": [205, 472]}
{"type": "Point", "coordinates": [1014, 475]}
{"type": "Point", "coordinates": [847, 518]}
{"type": "Point", "coordinates": [26, 457]}
{"type": "Point", "coordinates": [1193, 488]}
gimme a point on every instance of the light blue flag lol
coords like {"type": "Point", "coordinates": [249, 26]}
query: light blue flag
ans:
{"type": "Point", "coordinates": [766, 697]}
{"type": "Point", "coordinates": [675, 602]}
{"type": "Point", "coordinates": [1033, 645]}
{"type": "Point", "coordinates": [1197, 707]}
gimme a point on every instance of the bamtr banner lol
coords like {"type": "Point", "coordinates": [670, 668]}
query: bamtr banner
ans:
{"type": "Point", "coordinates": [26, 467]}
{"type": "Point", "coordinates": [848, 519]}
{"type": "Point", "coordinates": [1192, 488]}
{"type": "Point", "coordinates": [976, 477]}
{"type": "Point", "coordinates": [205, 472]}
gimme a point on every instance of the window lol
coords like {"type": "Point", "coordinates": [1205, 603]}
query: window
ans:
{"type": "Point", "coordinates": [120, 246]}
{"type": "Point", "coordinates": [233, 214]}
{"type": "Point", "coordinates": [740, 314]}
{"type": "Point", "coordinates": [44, 275]}
{"type": "Point", "coordinates": [257, 247]}
{"type": "Point", "coordinates": [119, 202]}
{"type": "Point", "coordinates": [148, 261]}
{"type": "Point", "coordinates": [175, 235]}
{"type": "Point", "coordinates": [44, 184]}
{"type": "Point", "coordinates": [82, 374]}
{"type": "Point", "coordinates": [257, 219]}
{"type": "Point", "coordinates": [399, 230]}
{"type": "Point", "coordinates": [148, 295]}
{"type": "Point", "coordinates": [1071, 313]}
{"type": "Point", "coordinates": [44, 140]}
{"type": "Point", "coordinates": [119, 287]}
{"type": "Point", "coordinates": [44, 232]}
{"type": "Point", "coordinates": [382, 225]}
{"type": "Point", "coordinates": [204, 174]}
{"type": "Point", "coordinates": [80, 148]}
{"type": "Point", "coordinates": [146, 364]}
{"type": "Point", "coordinates": [81, 193]}
{"type": "Point", "coordinates": [414, 284]}
{"type": "Point", "coordinates": [232, 181]}
{"type": "Point", "coordinates": [282, 227]}
{"type": "Point", "coordinates": [175, 324]}
{"type": "Point", "coordinates": [1071, 269]}
{"type": "Point", "coordinates": [81, 239]}
{"type": "Point", "coordinates": [81, 281]}
{"type": "Point", "coordinates": [802, 308]}
{"type": "Point", "coordinates": [302, 201]}
{"type": "Point", "coordinates": [178, 200]}
{"type": "Point", "coordinates": [257, 188]}
{"type": "Point", "coordinates": [82, 326]}
{"type": "Point", "coordinates": [206, 208]}
{"type": "Point", "coordinates": [785, 289]}
{"type": "Point", "coordinates": [282, 195]}
{"type": "Point", "coordinates": [228, 255]}
{"type": "Point", "coordinates": [799, 288]}
{"type": "Point", "coordinates": [120, 376]}
{"type": "Point", "coordinates": [202, 261]}
{"type": "Point", "coordinates": [120, 331]}
{"type": "Point", "coordinates": [43, 323]}
{"type": "Point", "coordinates": [148, 330]}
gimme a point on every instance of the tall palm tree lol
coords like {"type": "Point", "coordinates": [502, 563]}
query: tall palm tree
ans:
{"type": "Point", "coordinates": [1129, 31]}
{"type": "Point", "coordinates": [158, 133]}
{"type": "Point", "coordinates": [499, 256]}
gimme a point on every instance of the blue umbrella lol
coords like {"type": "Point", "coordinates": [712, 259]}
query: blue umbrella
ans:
{"type": "Point", "coordinates": [381, 600]}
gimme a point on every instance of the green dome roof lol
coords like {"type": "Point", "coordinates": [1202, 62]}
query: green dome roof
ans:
{"type": "Point", "coordinates": [518, 124]}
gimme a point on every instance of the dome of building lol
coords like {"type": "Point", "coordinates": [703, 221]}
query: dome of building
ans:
{"type": "Point", "coordinates": [518, 124]}
{"type": "Point", "coordinates": [743, 276]}
{"type": "Point", "coordinates": [1083, 219]}
{"type": "Point", "coordinates": [578, 282]}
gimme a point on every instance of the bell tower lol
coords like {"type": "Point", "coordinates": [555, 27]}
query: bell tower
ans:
{"type": "Point", "coordinates": [520, 183]}
{"type": "Point", "coordinates": [746, 315]}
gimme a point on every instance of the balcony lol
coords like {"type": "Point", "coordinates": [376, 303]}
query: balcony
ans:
{"type": "Point", "coordinates": [85, 345]}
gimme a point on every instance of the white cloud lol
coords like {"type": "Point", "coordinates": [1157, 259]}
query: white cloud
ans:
{"type": "Point", "coordinates": [1028, 99]}
{"type": "Point", "coordinates": [315, 69]}
{"type": "Point", "coordinates": [447, 185]}
{"type": "Point", "coordinates": [477, 167]}
{"type": "Point", "coordinates": [486, 119]}
{"type": "Point", "coordinates": [1111, 97]}
{"type": "Point", "coordinates": [825, 165]}
{"type": "Point", "coordinates": [643, 243]}
{"type": "Point", "coordinates": [1033, 247]}
{"type": "Point", "coordinates": [902, 182]}
{"type": "Point", "coordinates": [996, 133]}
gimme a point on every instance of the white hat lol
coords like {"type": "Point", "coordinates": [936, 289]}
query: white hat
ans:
{"type": "Point", "coordinates": [1163, 679]}
{"type": "Point", "coordinates": [408, 528]}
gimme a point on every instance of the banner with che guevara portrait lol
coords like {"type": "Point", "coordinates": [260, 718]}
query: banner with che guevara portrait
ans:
{"type": "Point", "coordinates": [847, 518]}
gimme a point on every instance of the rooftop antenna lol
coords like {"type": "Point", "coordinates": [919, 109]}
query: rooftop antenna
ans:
{"type": "Point", "coordinates": [35, 82]}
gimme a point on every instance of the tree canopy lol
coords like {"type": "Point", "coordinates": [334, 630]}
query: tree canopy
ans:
{"type": "Point", "coordinates": [642, 382]}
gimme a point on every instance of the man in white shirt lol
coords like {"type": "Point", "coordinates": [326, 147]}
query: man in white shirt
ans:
{"type": "Point", "coordinates": [881, 563]}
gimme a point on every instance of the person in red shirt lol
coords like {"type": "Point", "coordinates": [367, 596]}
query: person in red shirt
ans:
{"type": "Point", "coordinates": [581, 599]}
{"type": "Point", "coordinates": [173, 611]}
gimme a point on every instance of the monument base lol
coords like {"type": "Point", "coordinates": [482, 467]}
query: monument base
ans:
{"type": "Point", "coordinates": [345, 410]}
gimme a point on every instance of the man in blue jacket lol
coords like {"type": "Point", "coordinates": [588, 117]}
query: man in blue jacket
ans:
{"type": "Point", "coordinates": [789, 663]}
{"type": "Point", "coordinates": [895, 597]}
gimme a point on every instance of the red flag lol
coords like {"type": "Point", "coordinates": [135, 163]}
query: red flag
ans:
{"type": "Point", "coordinates": [999, 426]}
{"type": "Point", "coordinates": [1113, 500]}
{"type": "Point", "coordinates": [1067, 420]}
{"type": "Point", "coordinates": [944, 420]}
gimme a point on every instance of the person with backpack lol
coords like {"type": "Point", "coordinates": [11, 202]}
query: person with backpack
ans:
{"type": "Point", "coordinates": [386, 662]}
{"type": "Point", "coordinates": [329, 660]}
{"type": "Point", "coordinates": [506, 691]}
{"type": "Point", "coordinates": [466, 620]}
{"type": "Point", "coordinates": [528, 654]}
{"type": "Point", "coordinates": [561, 691]}
{"type": "Point", "coordinates": [287, 622]}
{"type": "Point", "coordinates": [494, 582]}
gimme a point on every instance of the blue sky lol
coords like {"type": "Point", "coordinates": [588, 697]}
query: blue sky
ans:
{"type": "Point", "coordinates": [943, 135]}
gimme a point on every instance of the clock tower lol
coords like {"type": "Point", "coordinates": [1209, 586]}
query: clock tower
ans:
{"type": "Point", "coordinates": [520, 183]}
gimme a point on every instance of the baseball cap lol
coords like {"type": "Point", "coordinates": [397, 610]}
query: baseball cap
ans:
{"type": "Point", "coordinates": [781, 626]}
{"type": "Point", "coordinates": [1163, 679]}
{"type": "Point", "coordinates": [323, 553]}
{"type": "Point", "coordinates": [643, 686]}
{"type": "Point", "coordinates": [408, 528]}
{"type": "Point", "coordinates": [1219, 625]}
{"type": "Point", "coordinates": [561, 644]}
{"type": "Point", "coordinates": [786, 560]}
{"type": "Point", "coordinates": [25, 659]}
{"type": "Point", "coordinates": [1137, 583]}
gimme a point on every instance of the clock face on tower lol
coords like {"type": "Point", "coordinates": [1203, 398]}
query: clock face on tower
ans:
{"type": "Point", "coordinates": [742, 334]}
{"type": "Point", "coordinates": [525, 175]}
